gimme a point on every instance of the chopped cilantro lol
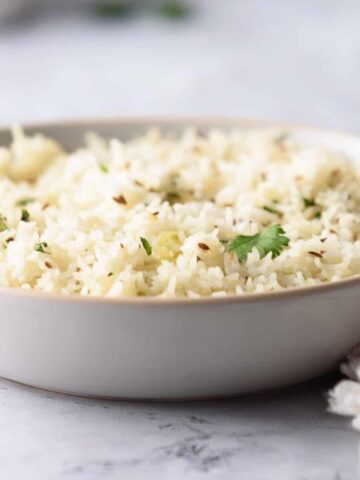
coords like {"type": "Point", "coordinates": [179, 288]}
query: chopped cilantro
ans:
{"type": "Point", "coordinates": [173, 9]}
{"type": "Point", "coordinates": [272, 239]}
{"type": "Point", "coordinates": [25, 215]}
{"type": "Point", "coordinates": [275, 211]}
{"type": "Point", "coordinates": [146, 245]}
{"type": "Point", "coordinates": [103, 168]}
{"type": "Point", "coordinates": [308, 202]}
{"type": "Point", "coordinates": [25, 201]}
{"type": "Point", "coordinates": [113, 9]}
{"type": "Point", "coordinates": [172, 197]}
{"type": "Point", "coordinates": [110, 274]}
{"type": "Point", "coordinates": [3, 224]}
{"type": "Point", "coordinates": [40, 247]}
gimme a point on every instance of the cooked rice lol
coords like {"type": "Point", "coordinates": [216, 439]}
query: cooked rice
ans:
{"type": "Point", "coordinates": [89, 209]}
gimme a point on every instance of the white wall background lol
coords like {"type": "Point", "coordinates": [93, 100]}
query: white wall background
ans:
{"type": "Point", "coordinates": [286, 59]}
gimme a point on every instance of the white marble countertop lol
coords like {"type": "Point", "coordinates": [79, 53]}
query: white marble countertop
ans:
{"type": "Point", "coordinates": [284, 435]}
{"type": "Point", "coordinates": [297, 61]}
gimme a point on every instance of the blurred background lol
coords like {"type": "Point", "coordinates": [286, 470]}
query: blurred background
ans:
{"type": "Point", "coordinates": [284, 59]}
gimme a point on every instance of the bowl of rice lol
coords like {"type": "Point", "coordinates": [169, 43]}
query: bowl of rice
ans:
{"type": "Point", "coordinates": [177, 259]}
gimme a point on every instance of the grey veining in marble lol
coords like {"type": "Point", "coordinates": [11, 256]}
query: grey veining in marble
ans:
{"type": "Point", "coordinates": [282, 435]}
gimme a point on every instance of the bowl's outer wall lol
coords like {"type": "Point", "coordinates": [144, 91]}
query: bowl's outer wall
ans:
{"type": "Point", "coordinates": [175, 351]}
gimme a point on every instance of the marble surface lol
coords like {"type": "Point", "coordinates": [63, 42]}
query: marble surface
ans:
{"type": "Point", "coordinates": [297, 61]}
{"type": "Point", "coordinates": [291, 60]}
{"type": "Point", "coordinates": [283, 435]}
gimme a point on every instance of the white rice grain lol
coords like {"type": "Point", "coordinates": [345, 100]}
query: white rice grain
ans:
{"type": "Point", "coordinates": [89, 208]}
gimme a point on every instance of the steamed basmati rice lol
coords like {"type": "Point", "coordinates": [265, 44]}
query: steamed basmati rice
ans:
{"type": "Point", "coordinates": [89, 212]}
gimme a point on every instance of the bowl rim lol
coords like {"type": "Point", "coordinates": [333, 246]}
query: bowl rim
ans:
{"type": "Point", "coordinates": [191, 120]}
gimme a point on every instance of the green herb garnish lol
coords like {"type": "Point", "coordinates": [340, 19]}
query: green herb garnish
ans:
{"type": "Point", "coordinates": [172, 197]}
{"type": "Point", "coordinates": [113, 10]}
{"type": "Point", "coordinates": [25, 201]}
{"type": "Point", "coordinates": [146, 245]}
{"type": "Point", "coordinates": [25, 215]}
{"type": "Point", "coordinates": [272, 239]}
{"type": "Point", "coordinates": [308, 202]}
{"type": "Point", "coordinates": [3, 224]}
{"type": "Point", "coordinates": [174, 9]}
{"type": "Point", "coordinates": [275, 211]}
{"type": "Point", "coordinates": [110, 274]}
{"type": "Point", "coordinates": [40, 247]}
{"type": "Point", "coordinates": [103, 168]}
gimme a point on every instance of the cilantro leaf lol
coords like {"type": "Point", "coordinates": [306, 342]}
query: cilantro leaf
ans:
{"type": "Point", "coordinates": [25, 201]}
{"type": "Point", "coordinates": [40, 247]}
{"type": "Point", "coordinates": [272, 239]}
{"type": "Point", "coordinates": [25, 215]}
{"type": "Point", "coordinates": [273, 210]}
{"type": "Point", "coordinates": [146, 245]}
{"type": "Point", "coordinates": [113, 9]}
{"type": "Point", "coordinates": [173, 9]}
{"type": "Point", "coordinates": [3, 224]}
{"type": "Point", "coordinates": [172, 198]}
{"type": "Point", "coordinates": [103, 168]}
{"type": "Point", "coordinates": [308, 202]}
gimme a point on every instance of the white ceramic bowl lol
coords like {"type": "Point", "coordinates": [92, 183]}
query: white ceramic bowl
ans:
{"type": "Point", "coordinates": [177, 349]}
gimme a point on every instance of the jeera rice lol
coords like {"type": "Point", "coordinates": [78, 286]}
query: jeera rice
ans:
{"type": "Point", "coordinates": [197, 215]}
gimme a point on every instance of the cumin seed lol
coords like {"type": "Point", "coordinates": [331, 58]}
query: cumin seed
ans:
{"type": "Point", "coordinates": [120, 199]}
{"type": "Point", "coordinates": [316, 254]}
